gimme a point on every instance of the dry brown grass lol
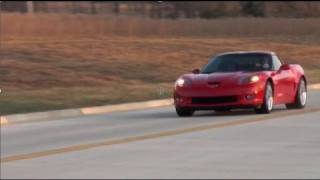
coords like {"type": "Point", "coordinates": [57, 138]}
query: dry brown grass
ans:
{"type": "Point", "coordinates": [72, 26]}
{"type": "Point", "coordinates": [51, 62]}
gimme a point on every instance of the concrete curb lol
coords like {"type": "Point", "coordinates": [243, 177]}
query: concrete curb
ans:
{"type": "Point", "coordinates": [314, 86]}
{"type": "Point", "coordinates": [67, 113]}
{"type": "Point", "coordinates": [50, 115]}
{"type": "Point", "coordinates": [20, 118]}
{"type": "Point", "coordinates": [3, 120]}
{"type": "Point", "coordinates": [126, 107]}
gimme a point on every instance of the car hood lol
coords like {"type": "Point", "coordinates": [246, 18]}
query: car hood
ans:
{"type": "Point", "coordinates": [220, 79]}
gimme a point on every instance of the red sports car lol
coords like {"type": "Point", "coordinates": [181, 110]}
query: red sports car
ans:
{"type": "Point", "coordinates": [250, 79]}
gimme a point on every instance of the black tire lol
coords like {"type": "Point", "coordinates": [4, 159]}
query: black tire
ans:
{"type": "Point", "coordinates": [267, 105]}
{"type": "Point", "coordinates": [299, 102]}
{"type": "Point", "coordinates": [184, 112]}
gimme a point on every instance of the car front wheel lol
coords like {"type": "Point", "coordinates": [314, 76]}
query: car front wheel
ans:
{"type": "Point", "coordinates": [184, 112]}
{"type": "Point", "coordinates": [267, 105]}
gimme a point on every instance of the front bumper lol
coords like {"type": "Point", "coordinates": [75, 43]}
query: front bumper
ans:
{"type": "Point", "coordinates": [237, 96]}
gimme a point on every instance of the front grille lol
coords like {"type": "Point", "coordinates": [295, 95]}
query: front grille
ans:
{"type": "Point", "coordinates": [214, 100]}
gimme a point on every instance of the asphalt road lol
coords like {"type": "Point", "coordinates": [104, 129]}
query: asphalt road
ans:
{"type": "Point", "coordinates": [155, 143]}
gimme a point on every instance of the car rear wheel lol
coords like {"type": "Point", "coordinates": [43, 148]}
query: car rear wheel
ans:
{"type": "Point", "coordinates": [184, 112]}
{"type": "Point", "coordinates": [301, 96]}
{"type": "Point", "coordinates": [267, 105]}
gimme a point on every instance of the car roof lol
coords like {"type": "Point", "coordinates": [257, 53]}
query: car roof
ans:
{"type": "Point", "coordinates": [247, 52]}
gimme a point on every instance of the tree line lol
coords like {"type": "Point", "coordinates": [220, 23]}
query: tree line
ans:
{"type": "Point", "coordinates": [215, 9]}
{"type": "Point", "coordinates": [174, 9]}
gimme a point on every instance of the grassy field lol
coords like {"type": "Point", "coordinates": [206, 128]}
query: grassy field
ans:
{"type": "Point", "coordinates": [66, 61]}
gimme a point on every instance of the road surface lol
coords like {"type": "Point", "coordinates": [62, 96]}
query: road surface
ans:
{"type": "Point", "coordinates": [155, 143]}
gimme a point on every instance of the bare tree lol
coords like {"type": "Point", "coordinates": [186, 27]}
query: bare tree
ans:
{"type": "Point", "coordinates": [30, 7]}
{"type": "Point", "coordinates": [116, 7]}
{"type": "Point", "coordinates": [93, 7]}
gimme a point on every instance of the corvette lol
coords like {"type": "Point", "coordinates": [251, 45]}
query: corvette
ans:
{"type": "Point", "coordinates": [245, 79]}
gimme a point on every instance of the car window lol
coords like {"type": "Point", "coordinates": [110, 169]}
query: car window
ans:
{"type": "Point", "coordinates": [239, 62]}
{"type": "Point", "coordinates": [276, 62]}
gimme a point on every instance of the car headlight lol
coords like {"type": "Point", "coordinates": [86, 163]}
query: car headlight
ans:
{"type": "Point", "coordinates": [182, 82]}
{"type": "Point", "coordinates": [254, 79]}
{"type": "Point", "coordinates": [250, 79]}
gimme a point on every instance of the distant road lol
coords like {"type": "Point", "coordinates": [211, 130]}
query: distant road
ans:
{"type": "Point", "coordinates": [155, 143]}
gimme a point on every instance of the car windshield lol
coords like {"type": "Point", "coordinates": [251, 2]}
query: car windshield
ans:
{"type": "Point", "coordinates": [239, 62]}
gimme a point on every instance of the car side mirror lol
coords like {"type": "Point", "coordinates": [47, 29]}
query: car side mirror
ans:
{"type": "Point", "coordinates": [196, 71]}
{"type": "Point", "coordinates": [284, 67]}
